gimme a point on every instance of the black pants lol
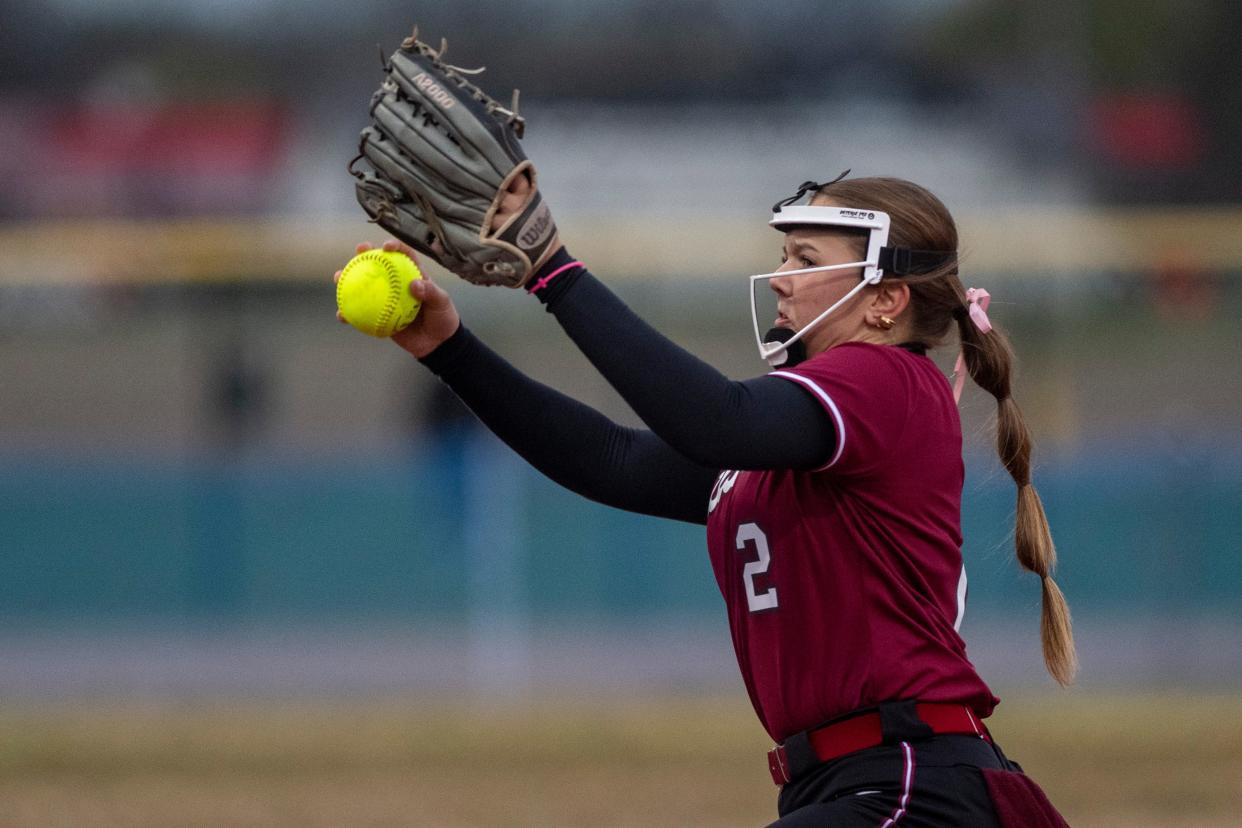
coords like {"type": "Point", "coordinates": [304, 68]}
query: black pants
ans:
{"type": "Point", "coordinates": [931, 783]}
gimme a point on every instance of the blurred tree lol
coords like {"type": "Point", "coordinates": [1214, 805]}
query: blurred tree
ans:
{"type": "Point", "coordinates": [1144, 45]}
{"type": "Point", "coordinates": [1142, 97]}
{"type": "Point", "coordinates": [33, 38]}
{"type": "Point", "coordinates": [1215, 85]}
{"type": "Point", "coordinates": [636, 49]}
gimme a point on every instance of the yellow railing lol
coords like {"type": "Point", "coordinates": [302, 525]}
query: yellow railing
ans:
{"type": "Point", "coordinates": [1048, 240]}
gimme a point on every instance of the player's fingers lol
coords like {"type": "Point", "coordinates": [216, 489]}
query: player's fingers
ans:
{"type": "Point", "coordinates": [362, 247]}
{"type": "Point", "coordinates": [429, 293]}
{"type": "Point", "coordinates": [341, 319]}
{"type": "Point", "coordinates": [519, 186]}
{"type": "Point", "coordinates": [511, 203]}
{"type": "Point", "coordinates": [392, 245]}
{"type": "Point", "coordinates": [336, 277]}
{"type": "Point", "coordinates": [395, 246]}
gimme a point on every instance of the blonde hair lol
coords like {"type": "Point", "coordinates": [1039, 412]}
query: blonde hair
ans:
{"type": "Point", "coordinates": [920, 221]}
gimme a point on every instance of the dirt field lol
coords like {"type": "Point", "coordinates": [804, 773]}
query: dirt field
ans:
{"type": "Point", "coordinates": [1105, 760]}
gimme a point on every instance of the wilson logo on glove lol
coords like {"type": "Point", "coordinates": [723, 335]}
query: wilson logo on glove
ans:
{"type": "Point", "coordinates": [537, 228]}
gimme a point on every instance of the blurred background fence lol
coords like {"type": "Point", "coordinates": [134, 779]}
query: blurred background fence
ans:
{"type": "Point", "coordinates": [256, 568]}
{"type": "Point", "coordinates": [208, 486]}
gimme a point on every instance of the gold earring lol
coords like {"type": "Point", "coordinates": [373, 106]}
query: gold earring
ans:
{"type": "Point", "coordinates": [886, 323]}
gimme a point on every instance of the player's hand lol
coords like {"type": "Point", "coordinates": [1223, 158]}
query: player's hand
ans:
{"type": "Point", "coordinates": [511, 201]}
{"type": "Point", "coordinates": [437, 319]}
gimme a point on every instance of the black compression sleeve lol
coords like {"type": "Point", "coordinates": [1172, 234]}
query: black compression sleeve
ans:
{"type": "Point", "coordinates": [762, 423]}
{"type": "Point", "coordinates": [571, 443]}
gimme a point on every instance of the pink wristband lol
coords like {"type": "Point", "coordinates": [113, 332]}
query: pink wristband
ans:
{"type": "Point", "coordinates": [546, 280]}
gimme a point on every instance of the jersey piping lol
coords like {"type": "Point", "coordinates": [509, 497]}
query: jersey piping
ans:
{"type": "Point", "coordinates": [832, 407]}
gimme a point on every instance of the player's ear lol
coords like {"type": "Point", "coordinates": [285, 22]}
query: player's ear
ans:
{"type": "Point", "coordinates": [892, 297]}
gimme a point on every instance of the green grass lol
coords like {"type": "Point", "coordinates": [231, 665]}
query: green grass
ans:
{"type": "Point", "coordinates": [1105, 761]}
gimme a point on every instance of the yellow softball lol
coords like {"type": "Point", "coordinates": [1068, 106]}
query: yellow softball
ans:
{"type": "Point", "coordinates": [373, 293]}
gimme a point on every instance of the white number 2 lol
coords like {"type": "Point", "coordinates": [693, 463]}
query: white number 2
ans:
{"type": "Point", "coordinates": [751, 533]}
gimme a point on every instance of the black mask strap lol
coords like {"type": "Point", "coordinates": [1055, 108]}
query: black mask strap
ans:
{"type": "Point", "coordinates": [902, 261]}
{"type": "Point", "coordinates": [803, 189]}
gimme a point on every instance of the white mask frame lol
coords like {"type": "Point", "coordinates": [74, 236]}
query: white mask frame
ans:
{"type": "Point", "coordinates": [787, 217]}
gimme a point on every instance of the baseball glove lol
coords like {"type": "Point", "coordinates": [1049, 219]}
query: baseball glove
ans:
{"type": "Point", "coordinates": [435, 163]}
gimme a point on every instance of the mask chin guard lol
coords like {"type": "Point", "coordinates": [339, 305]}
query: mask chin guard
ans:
{"type": "Point", "coordinates": [791, 355]}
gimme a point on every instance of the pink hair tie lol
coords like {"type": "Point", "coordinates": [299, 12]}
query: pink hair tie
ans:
{"type": "Point", "coordinates": [977, 301]}
{"type": "Point", "coordinates": [546, 280]}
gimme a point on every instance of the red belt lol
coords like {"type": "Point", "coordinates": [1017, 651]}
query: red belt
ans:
{"type": "Point", "coordinates": [865, 731]}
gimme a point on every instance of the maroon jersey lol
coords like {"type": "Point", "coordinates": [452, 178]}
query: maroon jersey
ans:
{"type": "Point", "coordinates": [845, 585]}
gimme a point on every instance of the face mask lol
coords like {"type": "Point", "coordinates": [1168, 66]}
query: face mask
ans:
{"type": "Point", "coordinates": [780, 346]}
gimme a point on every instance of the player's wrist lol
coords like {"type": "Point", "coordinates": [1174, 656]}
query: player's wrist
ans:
{"type": "Point", "coordinates": [447, 354]}
{"type": "Point", "coordinates": [555, 276]}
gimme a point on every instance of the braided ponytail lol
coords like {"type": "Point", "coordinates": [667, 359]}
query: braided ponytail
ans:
{"type": "Point", "coordinates": [920, 221]}
{"type": "Point", "coordinates": [989, 359]}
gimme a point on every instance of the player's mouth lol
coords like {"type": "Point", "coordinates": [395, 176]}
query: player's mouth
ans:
{"type": "Point", "coordinates": [782, 321]}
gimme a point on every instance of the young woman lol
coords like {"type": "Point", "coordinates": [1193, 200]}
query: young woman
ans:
{"type": "Point", "coordinates": [830, 489]}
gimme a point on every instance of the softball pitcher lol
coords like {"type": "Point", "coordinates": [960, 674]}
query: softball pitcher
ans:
{"type": "Point", "coordinates": [830, 486]}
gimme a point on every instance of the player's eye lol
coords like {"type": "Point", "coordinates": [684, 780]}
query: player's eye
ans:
{"type": "Point", "coordinates": [802, 261]}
